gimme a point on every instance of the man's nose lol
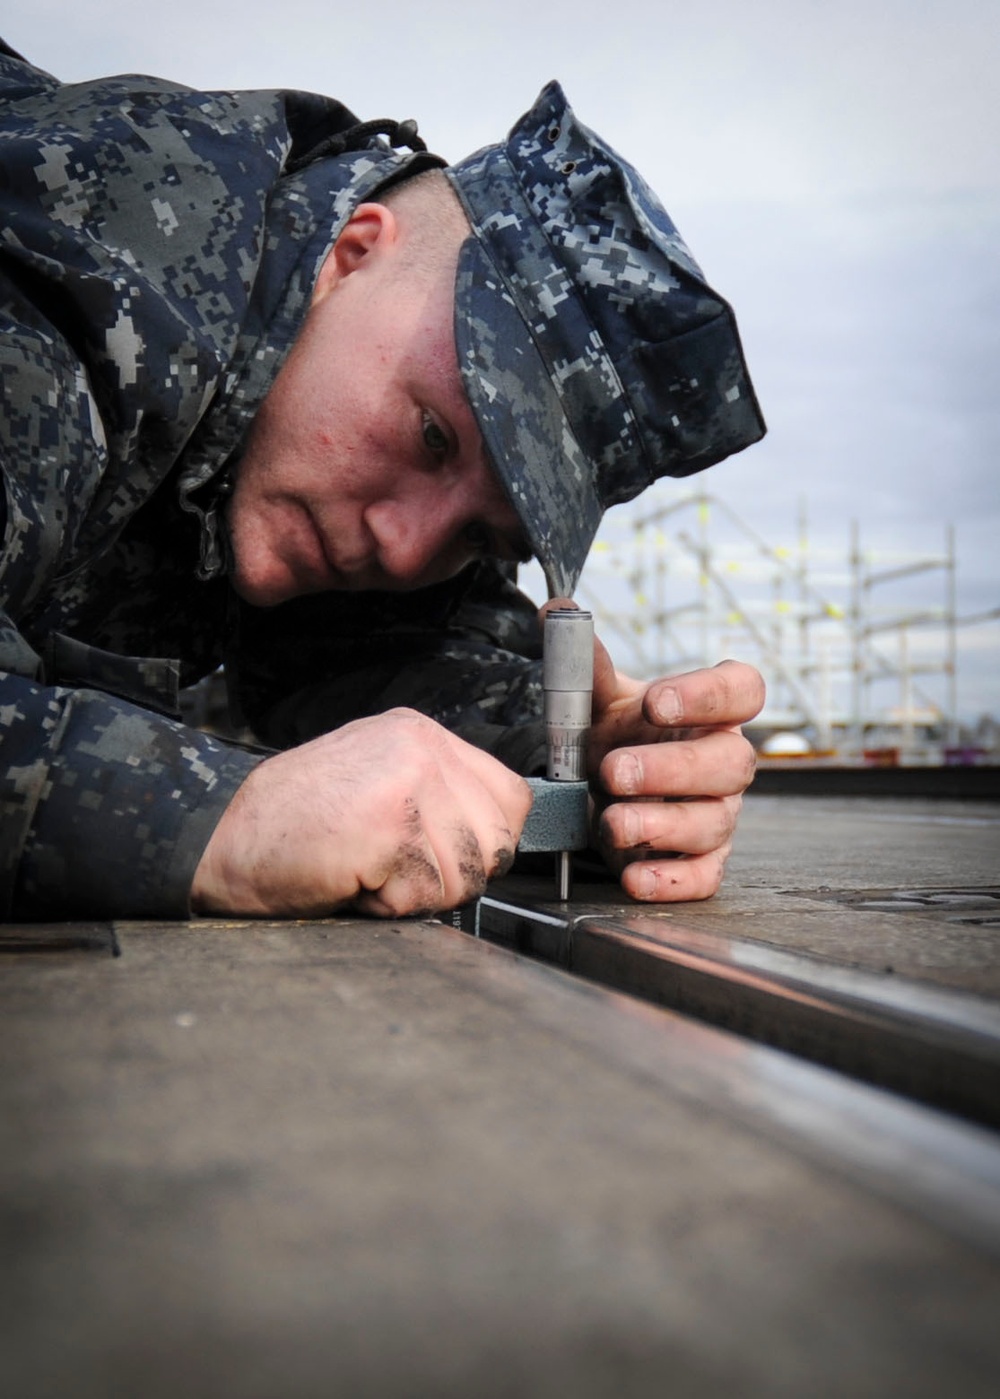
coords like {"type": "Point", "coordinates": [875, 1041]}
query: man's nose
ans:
{"type": "Point", "coordinates": [415, 540]}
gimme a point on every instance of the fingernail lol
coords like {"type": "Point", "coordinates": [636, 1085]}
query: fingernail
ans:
{"type": "Point", "coordinates": [627, 774]}
{"type": "Point", "coordinates": [631, 828]}
{"type": "Point", "coordinates": [666, 706]}
{"type": "Point", "coordinates": [645, 883]}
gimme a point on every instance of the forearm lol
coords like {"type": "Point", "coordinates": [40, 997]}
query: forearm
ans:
{"type": "Point", "coordinates": [105, 808]}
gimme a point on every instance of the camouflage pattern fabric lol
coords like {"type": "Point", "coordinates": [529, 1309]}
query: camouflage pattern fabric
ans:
{"type": "Point", "coordinates": [156, 261]}
{"type": "Point", "coordinates": [594, 353]}
{"type": "Point", "coordinates": [467, 653]}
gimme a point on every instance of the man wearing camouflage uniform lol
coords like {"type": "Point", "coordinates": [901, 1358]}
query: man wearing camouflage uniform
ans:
{"type": "Point", "coordinates": [279, 396]}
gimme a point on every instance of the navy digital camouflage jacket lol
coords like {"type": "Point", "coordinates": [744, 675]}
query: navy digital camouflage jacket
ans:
{"type": "Point", "coordinates": [156, 260]}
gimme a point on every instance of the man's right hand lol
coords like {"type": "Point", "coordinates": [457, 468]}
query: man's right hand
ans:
{"type": "Point", "coordinates": [391, 815]}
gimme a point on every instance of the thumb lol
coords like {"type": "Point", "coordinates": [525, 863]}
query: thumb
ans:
{"type": "Point", "coordinates": [607, 681]}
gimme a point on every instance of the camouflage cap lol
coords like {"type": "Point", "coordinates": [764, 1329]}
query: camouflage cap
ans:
{"type": "Point", "coordinates": [594, 354]}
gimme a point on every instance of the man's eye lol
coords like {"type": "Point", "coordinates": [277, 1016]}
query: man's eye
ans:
{"type": "Point", "coordinates": [435, 438]}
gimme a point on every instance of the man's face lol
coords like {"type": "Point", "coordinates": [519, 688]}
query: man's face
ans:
{"type": "Point", "coordinates": [364, 467]}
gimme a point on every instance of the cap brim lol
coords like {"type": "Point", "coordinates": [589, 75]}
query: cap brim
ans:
{"type": "Point", "coordinates": [541, 465]}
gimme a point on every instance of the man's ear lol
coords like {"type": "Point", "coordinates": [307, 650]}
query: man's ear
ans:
{"type": "Point", "coordinates": [371, 227]}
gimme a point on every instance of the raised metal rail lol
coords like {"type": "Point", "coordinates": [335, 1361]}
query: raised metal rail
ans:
{"type": "Point", "coordinates": [939, 1048]}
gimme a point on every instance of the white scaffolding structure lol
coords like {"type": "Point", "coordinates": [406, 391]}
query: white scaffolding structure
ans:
{"type": "Point", "coordinates": [846, 650]}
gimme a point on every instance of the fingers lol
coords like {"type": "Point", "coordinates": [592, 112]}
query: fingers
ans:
{"type": "Point", "coordinates": [696, 838]}
{"type": "Point", "coordinates": [408, 880]}
{"type": "Point", "coordinates": [391, 815]}
{"type": "Point", "coordinates": [728, 693]}
{"type": "Point", "coordinates": [717, 766]}
{"type": "Point", "coordinates": [680, 798]}
{"type": "Point", "coordinates": [510, 791]}
{"type": "Point", "coordinates": [464, 815]}
{"type": "Point", "coordinates": [719, 763]}
{"type": "Point", "coordinates": [669, 765]}
{"type": "Point", "coordinates": [675, 881]}
{"type": "Point", "coordinates": [472, 823]}
{"type": "Point", "coordinates": [631, 830]}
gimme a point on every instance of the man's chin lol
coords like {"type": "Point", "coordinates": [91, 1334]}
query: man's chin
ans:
{"type": "Point", "coordinates": [277, 585]}
{"type": "Point", "coordinates": [271, 589]}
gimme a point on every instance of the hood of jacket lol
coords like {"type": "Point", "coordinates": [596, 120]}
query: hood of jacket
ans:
{"type": "Point", "coordinates": [172, 239]}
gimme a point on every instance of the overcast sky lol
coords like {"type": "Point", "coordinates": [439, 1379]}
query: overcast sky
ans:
{"type": "Point", "coordinates": [832, 163]}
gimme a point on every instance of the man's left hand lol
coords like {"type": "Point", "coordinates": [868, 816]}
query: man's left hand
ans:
{"type": "Point", "coordinates": [668, 767]}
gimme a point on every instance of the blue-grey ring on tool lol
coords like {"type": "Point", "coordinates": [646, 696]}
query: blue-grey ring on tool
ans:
{"type": "Point", "coordinates": [558, 817]}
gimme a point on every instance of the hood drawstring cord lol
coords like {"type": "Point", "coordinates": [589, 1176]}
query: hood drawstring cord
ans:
{"type": "Point", "coordinates": [397, 133]}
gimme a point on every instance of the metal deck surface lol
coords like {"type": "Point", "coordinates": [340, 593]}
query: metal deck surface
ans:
{"type": "Point", "coordinates": [353, 1158]}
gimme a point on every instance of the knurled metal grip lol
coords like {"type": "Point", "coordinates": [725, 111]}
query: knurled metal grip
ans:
{"type": "Point", "coordinates": [558, 816]}
{"type": "Point", "coordinates": [568, 684]}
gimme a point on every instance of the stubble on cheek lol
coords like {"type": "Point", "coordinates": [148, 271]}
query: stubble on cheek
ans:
{"type": "Point", "coordinates": [253, 572]}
